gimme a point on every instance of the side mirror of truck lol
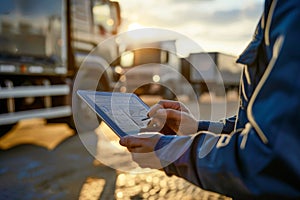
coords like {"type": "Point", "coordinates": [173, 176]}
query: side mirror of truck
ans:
{"type": "Point", "coordinates": [116, 15]}
{"type": "Point", "coordinates": [107, 16]}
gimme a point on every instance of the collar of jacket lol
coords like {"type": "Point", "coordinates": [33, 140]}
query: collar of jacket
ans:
{"type": "Point", "coordinates": [250, 53]}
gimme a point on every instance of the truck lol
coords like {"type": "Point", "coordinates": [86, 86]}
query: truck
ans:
{"type": "Point", "coordinates": [149, 68]}
{"type": "Point", "coordinates": [155, 68]}
{"type": "Point", "coordinates": [42, 46]}
{"type": "Point", "coordinates": [212, 72]}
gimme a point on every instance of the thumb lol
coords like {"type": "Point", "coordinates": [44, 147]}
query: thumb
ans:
{"type": "Point", "coordinates": [130, 142]}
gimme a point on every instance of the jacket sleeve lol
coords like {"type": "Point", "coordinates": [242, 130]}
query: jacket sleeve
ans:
{"type": "Point", "coordinates": [262, 160]}
{"type": "Point", "coordinates": [223, 126]}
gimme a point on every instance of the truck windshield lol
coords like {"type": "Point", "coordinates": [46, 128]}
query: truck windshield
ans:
{"type": "Point", "coordinates": [32, 28]}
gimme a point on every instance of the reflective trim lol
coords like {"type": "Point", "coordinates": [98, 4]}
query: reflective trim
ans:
{"type": "Point", "coordinates": [223, 141]}
{"type": "Point", "coordinates": [243, 91]}
{"type": "Point", "coordinates": [276, 50]}
{"type": "Point", "coordinates": [268, 23]}
{"type": "Point", "coordinates": [247, 75]}
{"type": "Point", "coordinates": [244, 134]}
{"type": "Point", "coordinates": [262, 23]}
{"type": "Point", "coordinates": [7, 68]}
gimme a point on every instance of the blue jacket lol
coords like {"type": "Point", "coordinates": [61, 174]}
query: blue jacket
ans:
{"type": "Point", "coordinates": [257, 156]}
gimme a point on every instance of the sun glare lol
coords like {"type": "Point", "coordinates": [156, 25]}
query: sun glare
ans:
{"type": "Point", "coordinates": [134, 26]}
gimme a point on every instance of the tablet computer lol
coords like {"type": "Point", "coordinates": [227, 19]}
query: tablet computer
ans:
{"type": "Point", "coordinates": [122, 112]}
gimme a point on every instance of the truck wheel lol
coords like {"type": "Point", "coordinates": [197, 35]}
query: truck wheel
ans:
{"type": "Point", "coordinates": [68, 120]}
{"type": "Point", "coordinates": [86, 119]}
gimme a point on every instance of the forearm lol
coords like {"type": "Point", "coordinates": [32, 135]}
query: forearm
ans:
{"type": "Point", "coordinates": [210, 165]}
{"type": "Point", "coordinates": [223, 163]}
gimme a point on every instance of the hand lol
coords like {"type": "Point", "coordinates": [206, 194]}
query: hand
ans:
{"type": "Point", "coordinates": [171, 117]}
{"type": "Point", "coordinates": [142, 147]}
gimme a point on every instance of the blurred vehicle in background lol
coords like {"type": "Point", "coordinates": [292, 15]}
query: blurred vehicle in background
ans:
{"type": "Point", "coordinates": [156, 69]}
{"type": "Point", "coordinates": [43, 44]}
{"type": "Point", "coordinates": [149, 69]}
{"type": "Point", "coordinates": [212, 72]}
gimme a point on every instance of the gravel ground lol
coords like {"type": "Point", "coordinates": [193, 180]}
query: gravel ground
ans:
{"type": "Point", "coordinates": [157, 186]}
{"type": "Point", "coordinates": [69, 171]}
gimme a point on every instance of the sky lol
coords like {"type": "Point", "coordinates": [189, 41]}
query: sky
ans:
{"type": "Point", "coordinates": [216, 25]}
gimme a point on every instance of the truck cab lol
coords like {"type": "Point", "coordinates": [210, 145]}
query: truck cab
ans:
{"type": "Point", "coordinates": [43, 45]}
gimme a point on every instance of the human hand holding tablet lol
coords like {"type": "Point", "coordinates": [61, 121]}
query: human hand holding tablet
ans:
{"type": "Point", "coordinates": [122, 112]}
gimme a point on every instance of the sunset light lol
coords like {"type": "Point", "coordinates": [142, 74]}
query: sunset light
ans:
{"type": "Point", "coordinates": [134, 26]}
{"type": "Point", "coordinates": [216, 25]}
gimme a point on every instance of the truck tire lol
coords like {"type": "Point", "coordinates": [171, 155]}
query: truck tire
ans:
{"type": "Point", "coordinates": [85, 118]}
{"type": "Point", "coordinates": [68, 120]}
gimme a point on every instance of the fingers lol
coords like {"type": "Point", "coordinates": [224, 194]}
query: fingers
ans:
{"type": "Point", "coordinates": [167, 104]}
{"type": "Point", "coordinates": [164, 104]}
{"type": "Point", "coordinates": [166, 130]}
{"type": "Point", "coordinates": [173, 114]}
{"type": "Point", "coordinates": [169, 117]}
{"type": "Point", "coordinates": [174, 122]}
{"type": "Point", "coordinates": [142, 149]}
{"type": "Point", "coordinates": [163, 115]}
{"type": "Point", "coordinates": [170, 104]}
{"type": "Point", "coordinates": [174, 105]}
{"type": "Point", "coordinates": [159, 121]}
{"type": "Point", "coordinates": [158, 125]}
{"type": "Point", "coordinates": [140, 143]}
{"type": "Point", "coordinates": [130, 142]}
{"type": "Point", "coordinates": [150, 129]}
{"type": "Point", "coordinates": [154, 109]}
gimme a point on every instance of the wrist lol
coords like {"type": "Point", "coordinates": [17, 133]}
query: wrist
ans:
{"type": "Point", "coordinates": [215, 127]}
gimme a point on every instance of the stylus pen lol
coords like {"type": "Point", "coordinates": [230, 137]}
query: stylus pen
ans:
{"type": "Point", "coordinates": [145, 118]}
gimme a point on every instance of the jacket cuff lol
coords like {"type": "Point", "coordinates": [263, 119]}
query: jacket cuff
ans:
{"type": "Point", "coordinates": [163, 141]}
{"type": "Point", "coordinates": [215, 127]}
{"type": "Point", "coordinates": [203, 125]}
{"type": "Point", "coordinates": [170, 148]}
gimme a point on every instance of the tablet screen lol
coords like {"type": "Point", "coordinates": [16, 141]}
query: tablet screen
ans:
{"type": "Point", "coordinates": [123, 112]}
